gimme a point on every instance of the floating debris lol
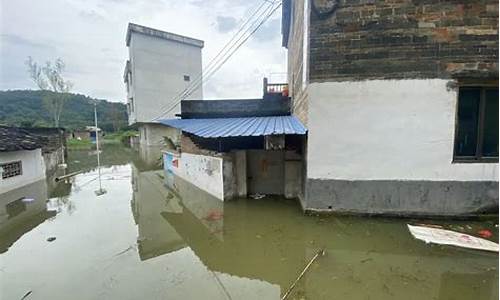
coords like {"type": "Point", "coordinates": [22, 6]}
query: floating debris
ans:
{"type": "Point", "coordinates": [26, 295]}
{"type": "Point", "coordinates": [318, 254]}
{"type": "Point", "coordinates": [453, 238]}
{"type": "Point", "coordinates": [485, 233]}
{"type": "Point", "coordinates": [257, 196]}
{"type": "Point", "coordinates": [131, 247]}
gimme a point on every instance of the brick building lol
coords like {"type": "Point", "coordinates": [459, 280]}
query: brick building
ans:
{"type": "Point", "coordinates": [400, 99]}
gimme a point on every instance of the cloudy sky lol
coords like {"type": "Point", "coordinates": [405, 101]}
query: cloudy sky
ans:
{"type": "Point", "coordinates": [89, 35]}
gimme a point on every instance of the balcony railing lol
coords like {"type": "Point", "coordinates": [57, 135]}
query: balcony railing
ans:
{"type": "Point", "coordinates": [275, 88]}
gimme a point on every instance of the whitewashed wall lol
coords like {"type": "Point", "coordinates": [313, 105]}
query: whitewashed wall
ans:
{"type": "Point", "coordinates": [386, 129]}
{"type": "Point", "coordinates": [203, 171]}
{"type": "Point", "coordinates": [152, 134]}
{"type": "Point", "coordinates": [158, 68]}
{"type": "Point", "coordinates": [33, 168]}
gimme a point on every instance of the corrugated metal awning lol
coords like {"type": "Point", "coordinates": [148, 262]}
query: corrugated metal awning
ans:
{"type": "Point", "coordinates": [231, 127]}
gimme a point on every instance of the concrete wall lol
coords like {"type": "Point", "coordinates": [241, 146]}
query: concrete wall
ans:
{"type": "Point", "coordinates": [52, 160]}
{"type": "Point", "coordinates": [235, 108]}
{"type": "Point", "coordinates": [158, 67]}
{"type": "Point", "coordinates": [153, 134]}
{"type": "Point", "coordinates": [266, 172]}
{"type": "Point", "coordinates": [240, 172]}
{"type": "Point", "coordinates": [206, 172]}
{"type": "Point", "coordinates": [293, 175]}
{"type": "Point", "coordinates": [33, 168]}
{"type": "Point", "coordinates": [387, 146]}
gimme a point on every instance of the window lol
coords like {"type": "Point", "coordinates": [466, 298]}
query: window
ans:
{"type": "Point", "coordinates": [187, 78]}
{"type": "Point", "coordinates": [476, 136]}
{"type": "Point", "coordinates": [11, 169]}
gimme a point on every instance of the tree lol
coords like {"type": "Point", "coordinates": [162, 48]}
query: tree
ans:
{"type": "Point", "coordinates": [56, 89]}
{"type": "Point", "coordinates": [116, 118]}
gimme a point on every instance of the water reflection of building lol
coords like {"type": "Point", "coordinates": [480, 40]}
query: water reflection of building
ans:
{"type": "Point", "coordinates": [157, 236]}
{"type": "Point", "coordinates": [149, 199]}
{"type": "Point", "coordinates": [21, 210]}
{"type": "Point", "coordinates": [362, 257]}
{"type": "Point", "coordinates": [269, 242]}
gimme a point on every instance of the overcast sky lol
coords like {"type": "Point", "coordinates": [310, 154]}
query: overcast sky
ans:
{"type": "Point", "coordinates": [89, 35]}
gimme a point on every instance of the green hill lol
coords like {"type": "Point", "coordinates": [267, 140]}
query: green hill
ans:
{"type": "Point", "coordinates": [25, 108]}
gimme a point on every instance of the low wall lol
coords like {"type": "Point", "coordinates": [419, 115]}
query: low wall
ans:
{"type": "Point", "coordinates": [206, 172]}
{"type": "Point", "coordinates": [52, 160]}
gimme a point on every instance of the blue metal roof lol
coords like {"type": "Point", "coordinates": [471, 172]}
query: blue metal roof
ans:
{"type": "Point", "coordinates": [230, 127]}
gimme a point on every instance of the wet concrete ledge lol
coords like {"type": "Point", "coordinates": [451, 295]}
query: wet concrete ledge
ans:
{"type": "Point", "coordinates": [458, 199]}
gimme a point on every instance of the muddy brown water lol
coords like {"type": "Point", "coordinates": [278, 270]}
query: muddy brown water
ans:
{"type": "Point", "coordinates": [143, 241]}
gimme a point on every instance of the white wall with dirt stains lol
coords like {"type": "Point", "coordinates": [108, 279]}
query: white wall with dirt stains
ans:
{"type": "Point", "coordinates": [32, 165]}
{"type": "Point", "coordinates": [205, 172]}
{"type": "Point", "coordinates": [386, 130]}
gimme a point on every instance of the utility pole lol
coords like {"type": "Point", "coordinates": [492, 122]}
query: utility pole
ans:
{"type": "Point", "coordinates": [100, 191]}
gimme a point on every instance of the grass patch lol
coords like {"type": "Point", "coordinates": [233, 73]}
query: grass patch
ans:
{"type": "Point", "coordinates": [73, 144]}
{"type": "Point", "coordinates": [120, 136]}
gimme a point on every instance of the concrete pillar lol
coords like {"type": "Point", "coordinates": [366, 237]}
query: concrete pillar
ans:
{"type": "Point", "coordinates": [293, 174]}
{"type": "Point", "coordinates": [241, 172]}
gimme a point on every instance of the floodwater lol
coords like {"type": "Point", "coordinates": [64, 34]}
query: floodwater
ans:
{"type": "Point", "coordinates": [142, 241]}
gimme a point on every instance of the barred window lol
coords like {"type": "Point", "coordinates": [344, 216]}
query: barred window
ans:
{"type": "Point", "coordinates": [476, 137]}
{"type": "Point", "coordinates": [11, 169]}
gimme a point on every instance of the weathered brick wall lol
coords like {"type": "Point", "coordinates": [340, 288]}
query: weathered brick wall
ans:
{"type": "Point", "coordinates": [189, 146]}
{"type": "Point", "coordinates": [295, 61]}
{"type": "Point", "coordinates": [377, 39]}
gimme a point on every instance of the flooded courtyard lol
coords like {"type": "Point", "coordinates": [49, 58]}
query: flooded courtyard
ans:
{"type": "Point", "coordinates": [143, 241]}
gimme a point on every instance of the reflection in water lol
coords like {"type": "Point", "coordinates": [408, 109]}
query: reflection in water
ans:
{"type": "Point", "coordinates": [270, 240]}
{"type": "Point", "coordinates": [156, 237]}
{"type": "Point", "coordinates": [144, 241]}
{"type": "Point", "coordinates": [21, 210]}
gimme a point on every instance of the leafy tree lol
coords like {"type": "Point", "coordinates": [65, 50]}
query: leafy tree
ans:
{"type": "Point", "coordinates": [50, 78]}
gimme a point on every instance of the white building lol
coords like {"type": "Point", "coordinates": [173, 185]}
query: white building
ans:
{"type": "Point", "coordinates": [21, 160]}
{"type": "Point", "coordinates": [160, 67]}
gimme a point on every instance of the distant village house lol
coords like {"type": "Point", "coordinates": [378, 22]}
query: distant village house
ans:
{"type": "Point", "coordinates": [28, 155]}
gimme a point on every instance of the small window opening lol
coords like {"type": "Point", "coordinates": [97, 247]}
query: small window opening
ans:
{"type": "Point", "coordinates": [476, 136]}
{"type": "Point", "coordinates": [11, 169]}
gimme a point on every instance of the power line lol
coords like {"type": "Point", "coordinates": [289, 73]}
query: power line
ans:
{"type": "Point", "coordinates": [241, 44]}
{"type": "Point", "coordinates": [269, 11]}
{"type": "Point", "coordinates": [213, 68]}
{"type": "Point", "coordinates": [211, 72]}
{"type": "Point", "coordinates": [199, 77]}
{"type": "Point", "coordinates": [192, 87]}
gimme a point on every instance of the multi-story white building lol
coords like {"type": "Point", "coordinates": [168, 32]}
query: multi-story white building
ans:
{"type": "Point", "coordinates": [160, 67]}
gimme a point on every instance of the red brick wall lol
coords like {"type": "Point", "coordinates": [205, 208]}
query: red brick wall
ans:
{"type": "Point", "coordinates": [375, 39]}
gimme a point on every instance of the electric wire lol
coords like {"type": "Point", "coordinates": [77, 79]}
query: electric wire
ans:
{"type": "Point", "coordinates": [263, 17]}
